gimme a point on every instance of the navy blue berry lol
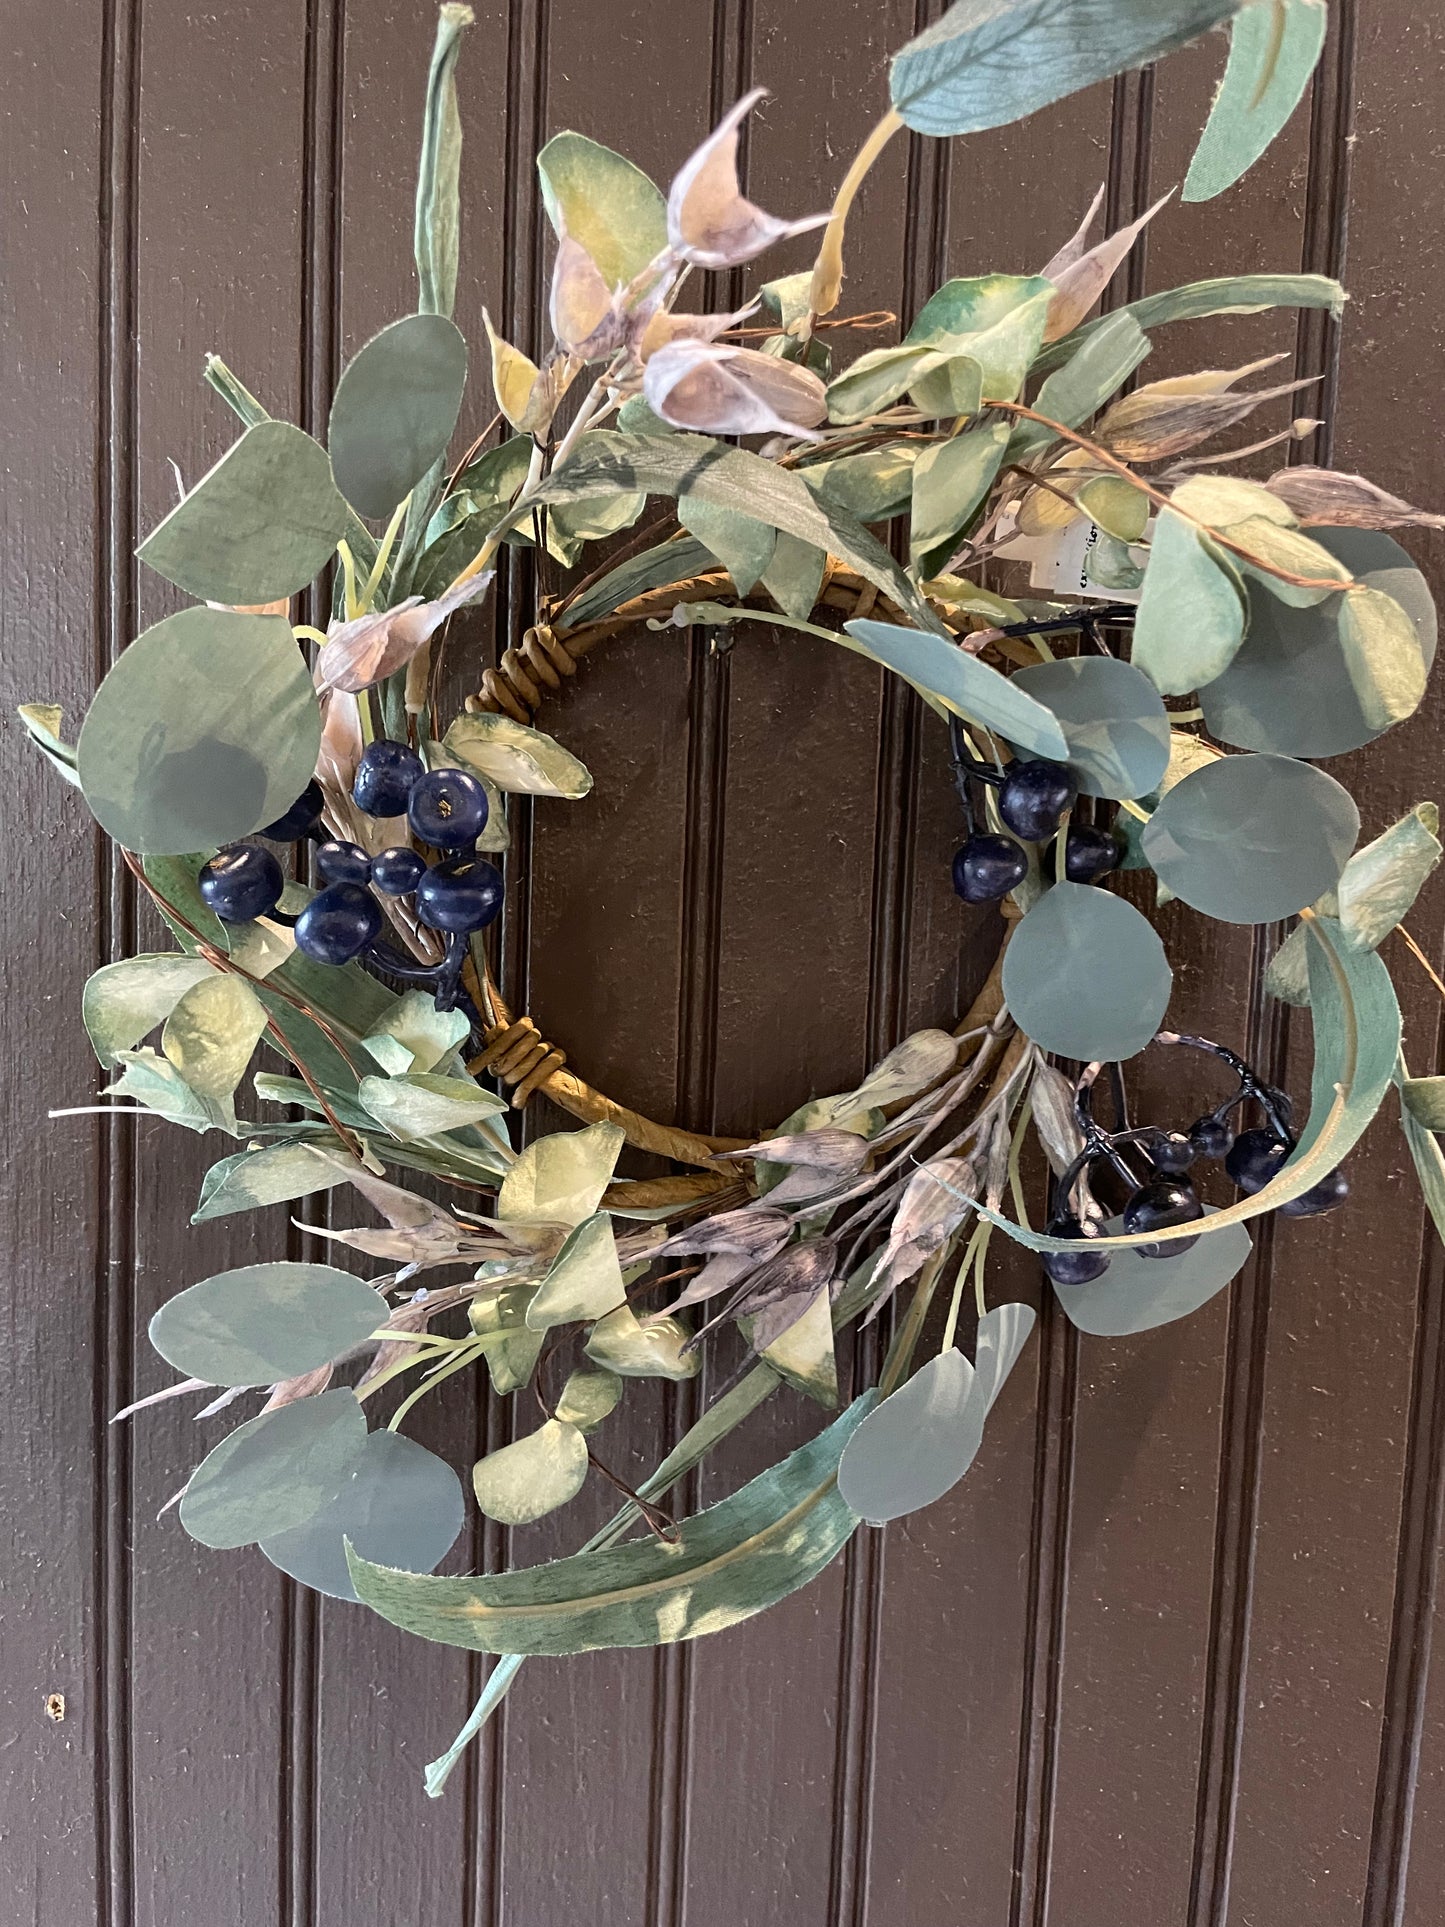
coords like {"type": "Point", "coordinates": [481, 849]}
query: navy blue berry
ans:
{"type": "Point", "coordinates": [396, 873]}
{"type": "Point", "coordinates": [1254, 1158]}
{"type": "Point", "coordinates": [1090, 853]}
{"type": "Point", "coordinates": [1032, 798]}
{"type": "Point", "coordinates": [448, 809]}
{"type": "Point", "coordinates": [338, 924]}
{"type": "Point", "coordinates": [241, 883]}
{"type": "Point", "coordinates": [1161, 1203]}
{"type": "Point", "coordinates": [1331, 1190]}
{"type": "Point", "coordinates": [1079, 1267]}
{"type": "Point", "coordinates": [1211, 1137]}
{"type": "Point", "coordinates": [340, 862]}
{"type": "Point", "coordinates": [986, 868]}
{"type": "Point", "coordinates": [462, 894]}
{"type": "Point", "coordinates": [384, 778]}
{"type": "Point", "coordinates": [300, 818]}
{"type": "Point", "coordinates": [1170, 1151]}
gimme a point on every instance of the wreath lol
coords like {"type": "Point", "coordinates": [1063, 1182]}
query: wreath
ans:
{"type": "Point", "coordinates": [687, 470]}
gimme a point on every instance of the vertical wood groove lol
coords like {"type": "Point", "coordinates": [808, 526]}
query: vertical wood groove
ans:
{"type": "Point", "coordinates": [115, 1295]}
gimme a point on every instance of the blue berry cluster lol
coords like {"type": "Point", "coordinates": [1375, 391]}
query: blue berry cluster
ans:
{"type": "Point", "coordinates": [1160, 1194]}
{"type": "Point", "coordinates": [1032, 798]}
{"type": "Point", "coordinates": [458, 893]}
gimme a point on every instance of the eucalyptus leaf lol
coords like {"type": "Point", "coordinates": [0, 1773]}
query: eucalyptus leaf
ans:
{"type": "Point", "coordinates": [512, 1359]}
{"type": "Point", "coordinates": [743, 545]}
{"type": "Point", "coordinates": [123, 1002]}
{"type": "Point", "coordinates": [918, 1443]}
{"type": "Point", "coordinates": [1274, 48]}
{"type": "Point", "coordinates": [988, 62]}
{"type": "Point", "coordinates": [874, 485]}
{"type": "Point", "coordinates": [1137, 1293]}
{"type": "Point", "coordinates": [588, 1398]}
{"type": "Point", "coordinates": [560, 1179]}
{"type": "Point", "coordinates": [399, 1504]}
{"type": "Point", "coordinates": [669, 562]}
{"type": "Point", "coordinates": [1252, 839]}
{"type": "Point", "coordinates": [803, 1355]}
{"type": "Point", "coordinates": [212, 1034]}
{"type": "Point", "coordinates": [1102, 363]}
{"type": "Point", "coordinates": [260, 525]}
{"type": "Point", "coordinates": [1357, 1038]}
{"type": "Point", "coordinates": [1199, 300]}
{"type": "Point", "coordinates": [259, 1176]}
{"type": "Point", "coordinates": [395, 408]}
{"type": "Point", "coordinates": [529, 1478]}
{"type": "Point", "coordinates": [1380, 883]}
{"type": "Point", "coordinates": [729, 1562]}
{"type": "Point", "coordinates": [1424, 1101]}
{"type": "Point", "coordinates": [963, 684]}
{"type": "Point", "coordinates": [1116, 729]}
{"type": "Point", "coordinates": [421, 1105]}
{"type": "Point", "coordinates": [1383, 656]}
{"type": "Point", "coordinates": [1291, 689]}
{"type": "Point", "coordinates": [584, 1281]}
{"type": "Point", "coordinates": [602, 201]}
{"type": "Point", "coordinates": [156, 1083]}
{"type": "Point", "coordinates": [261, 1323]}
{"type": "Point", "coordinates": [1085, 975]}
{"type": "Point", "coordinates": [274, 1472]}
{"type": "Point", "coordinates": [206, 728]}
{"type": "Point", "coordinates": [1190, 623]}
{"type": "Point", "coordinates": [415, 1036]}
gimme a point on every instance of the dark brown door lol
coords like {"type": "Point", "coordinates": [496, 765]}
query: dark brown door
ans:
{"type": "Point", "coordinates": [1163, 1658]}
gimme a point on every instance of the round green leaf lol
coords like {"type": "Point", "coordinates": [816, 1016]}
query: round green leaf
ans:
{"type": "Point", "coordinates": [262, 524]}
{"type": "Point", "coordinates": [1085, 974]}
{"type": "Point", "coordinates": [917, 1444]}
{"type": "Point", "coordinates": [588, 1398]}
{"type": "Point", "coordinates": [400, 1506]}
{"type": "Point", "coordinates": [603, 201]}
{"type": "Point", "coordinates": [395, 408]}
{"type": "Point", "coordinates": [533, 1476]}
{"type": "Point", "coordinates": [1289, 690]}
{"type": "Point", "coordinates": [1250, 839]}
{"type": "Point", "coordinates": [275, 1472]}
{"type": "Point", "coordinates": [206, 728]}
{"type": "Point", "coordinates": [261, 1323]}
{"type": "Point", "coordinates": [1113, 719]}
{"type": "Point", "coordinates": [1136, 1293]}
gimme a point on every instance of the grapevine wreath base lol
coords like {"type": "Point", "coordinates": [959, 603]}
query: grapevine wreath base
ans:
{"type": "Point", "coordinates": [233, 741]}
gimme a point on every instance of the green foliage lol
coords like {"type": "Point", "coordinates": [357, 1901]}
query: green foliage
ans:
{"type": "Point", "coordinates": [438, 187]}
{"type": "Point", "coordinates": [1064, 996]}
{"type": "Point", "coordinates": [274, 1472]}
{"type": "Point", "coordinates": [961, 683]}
{"type": "Point", "coordinates": [265, 1322]}
{"type": "Point", "coordinates": [395, 408]}
{"type": "Point", "coordinates": [604, 202]}
{"type": "Point", "coordinates": [398, 1504]}
{"type": "Point", "coordinates": [1274, 47]}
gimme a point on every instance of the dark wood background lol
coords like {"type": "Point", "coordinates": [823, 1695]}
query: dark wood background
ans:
{"type": "Point", "coordinates": [1163, 1658]}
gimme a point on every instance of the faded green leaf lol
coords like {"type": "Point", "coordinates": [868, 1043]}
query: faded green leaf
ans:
{"type": "Point", "coordinates": [1136, 1293]}
{"type": "Point", "coordinates": [123, 1002]}
{"type": "Point", "coordinates": [399, 1504]}
{"type": "Point", "coordinates": [1383, 656]}
{"type": "Point", "coordinates": [1286, 549]}
{"type": "Point", "coordinates": [529, 1478]}
{"type": "Point", "coordinates": [642, 1348]}
{"type": "Point", "coordinates": [1085, 974]}
{"type": "Point", "coordinates": [1424, 1101]}
{"type": "Point", "coordinates": [1116, 728]}
{"type": "Point", "coordinates": [438, 178]}
{"type": "Point", "coordinates": [794, 576]}
{"type": "Point", "coordinates": [674, 561]}
{"type": "Point", "coordinates": [260, 525]}
{"type": "Point", "coordinates": [584, 1281]}
{"type": "Point", "coordinates": [419, 1105]}
{"type": "Point", "coordinates": [605, 203]}
{"type": "Point", "coordinates": [206, 728]}
{"type": "Point", "coordinates": [1190, 622]}
{"type": "Point", "coordinates": [1274, 47]}
{"type": "Point", "coordinates": [743, 546]}
{"type": "Point", "coordinates": [988, 62]}
{"type": "Point", "coordinates": [803, 1355]}
{"type": "Point", "coordinates": [395, 408]}
{"type": "Point", "coordinates": [974, 339]}
{"type": "Point", "coordinates": [560, 1179]}
{"type": "Point", "coordinates": [731, 1561]}
{"type": "Point", "coordinates": [963, 684]}
{"type": "Point", "coordinates": [512, 1359]}
{"type": "Point", "coordinates": [588, 1398]}
{"type": "Point", "coordinates": [1380, 883]}
{"type": "Point", "coordinates": [415, 1036]}
{"type": "Point", "coordinates": [1102, 362]}
{"type": "Point", "coordinates": [157, 1084]}
{"type": "Point", "coordinates": [42, 724]}
{"type": "Point", "coordinates": [212, 1034]}
{"type": "Point", "coordinates": [250, 1180]}
{"type": "Point", "coordinates": [262, 1323]}
{"type": "Point", "coordinates": [874, 485]}
{"type": "Point", "coordinates": [730, 478]}
{"type": "Point", "coordinates": [950, 480]}
{"type": "Point", "coordinates": [1198, 300]}
{"type": "Point", "coordinates": [519, 760]}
